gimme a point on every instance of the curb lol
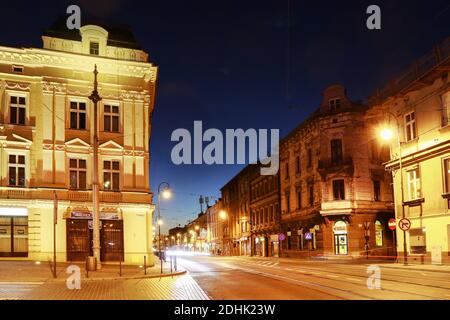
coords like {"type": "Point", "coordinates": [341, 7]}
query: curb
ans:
{"type": "Point", "coordinates": [165, 275]}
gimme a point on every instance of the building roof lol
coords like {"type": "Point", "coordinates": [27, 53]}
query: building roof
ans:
{"type": "Point", "coordinates": [118, 36]}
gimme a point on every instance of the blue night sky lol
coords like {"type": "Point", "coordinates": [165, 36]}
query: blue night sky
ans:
{"type": "Point", "coordinates": [233, 64]}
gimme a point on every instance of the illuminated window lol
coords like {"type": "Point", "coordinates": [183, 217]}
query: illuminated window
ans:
{"type": "Point", "coordinates": [77, 174]}
{"type": "Point", "coordinates": [111, 175]}
{"type": "Point", "coordinates": [17, 110]}
{"type": "Point", "coordinates": [335, 104]}
{"type": "Point", "coordinates": [378, 234]}
{"type": "Point", "coordinates": [16, 170]}
{"type": "Point", "coordinates": [111, 118]}
{"type": "Point", "coordinates": [414, 188]}
{"type": "Point", "coordinates": [410, 126]}
{"type": "Point", "coordinates": [77, 115]}
{"type": "Point", "coordinates": [94, 48]}
{"type": "Point", "coordinates": [339, 190]}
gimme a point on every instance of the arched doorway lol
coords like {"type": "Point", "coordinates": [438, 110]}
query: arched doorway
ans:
{"type": "Point", "coordinates": [340, 238]}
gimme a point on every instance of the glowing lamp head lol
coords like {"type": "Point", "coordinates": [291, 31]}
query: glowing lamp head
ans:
{"type": "Point", "coordinates": [166, 194]}
{"type": "Point", "coordinates": [386, 134]}
{"type": "Point", "coordinates": [197, 228]}
{"type": "Point", "coordinates": [222, 215]}
{"type": "Point", "coordinates": [160, 222]}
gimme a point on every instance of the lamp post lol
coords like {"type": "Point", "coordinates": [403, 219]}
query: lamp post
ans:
{"type": "Point", "coordinates": [386, 134]}
{"type": "Point", "coordinates": [223, 216]}
{"type": "Point", "coordinates": [95, 98]}
{"type": "Point", "coordinates": [163, 188]}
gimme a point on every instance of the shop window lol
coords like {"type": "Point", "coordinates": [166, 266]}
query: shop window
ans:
{"type": "Point", "coordinates": [16, 170]}
{"type": "Point", "coordinates": [17, 110]}
{"type": "Point", "coordinates": [417, 241]}
{"type": "Point", "coordinates": [340, 238]}
{"type": "Point", "coordinates": [111, 118]}
{"type": "Point", "coordinates": [77, 174]}
{"type": "Point", "coordinates": [77, 115]}
{"type": "Point", "coordinates": [414, 187]}
{"type": "Point", "coordinates": [378, 234]}
{"type": "Point", "coordinates": [13, 236]}
{"type": "Point", "coordinates": [410, 126]}
{"type": "Point", "coordinates": [111, 175]}
{"type": "Point", "coordinates": [338, 189]}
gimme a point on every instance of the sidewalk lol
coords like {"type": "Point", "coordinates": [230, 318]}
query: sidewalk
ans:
{"type": "Point", "coordinates": [30, 271]}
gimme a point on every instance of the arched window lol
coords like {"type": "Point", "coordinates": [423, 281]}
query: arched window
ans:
{"type": "Point", "coordinates": [378, 233]}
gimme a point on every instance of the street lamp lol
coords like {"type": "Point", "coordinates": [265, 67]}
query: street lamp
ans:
{"type": "Point", "coordinates": [387, 134]}
{"type": "Point", "coordinates": [164, 190]}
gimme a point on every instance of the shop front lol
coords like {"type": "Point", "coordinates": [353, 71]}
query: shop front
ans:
{"type": "Point", "coordinates": [13, 232]}
{"type": "Point", "coordinates": [340, 238]}
{"type": "Point", "coordinates": [79, 226]}
{"type": "Point", "coordinates": [274, 246]}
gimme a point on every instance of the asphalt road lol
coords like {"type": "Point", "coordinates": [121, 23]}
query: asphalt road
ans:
{"type": "Point", "coordinates": [244, 278]}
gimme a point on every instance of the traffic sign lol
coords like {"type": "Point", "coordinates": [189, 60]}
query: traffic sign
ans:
{"type": "Point", "coordinates": [308, 236]}
{"type": "Point", "coordinates": [392, 224]}
{"type": "Point", "coordinates": [404, 224]}
{"type": "Point", "coordinates": [282, 237]}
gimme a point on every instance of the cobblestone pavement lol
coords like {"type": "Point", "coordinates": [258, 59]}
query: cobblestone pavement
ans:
{"type": "Point", "coordinates": [167, 288]}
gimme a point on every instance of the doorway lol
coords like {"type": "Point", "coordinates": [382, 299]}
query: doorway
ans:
{"type": "Point", "coordinates": [13, 236]}
{"type": "Point", "coordinates": [340, 238]}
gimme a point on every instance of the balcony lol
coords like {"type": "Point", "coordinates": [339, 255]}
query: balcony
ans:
{"type": "Point", "coordinates": [82, 196]}
{"type": "Point", "coordinates": [326, 167]}
{"type": "Point", "coordinates": [110, 196]}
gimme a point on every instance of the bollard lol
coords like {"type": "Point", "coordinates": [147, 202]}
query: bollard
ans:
{"type": "Point", "coordinates": [120, 268]}
{"type": "Point", "coordinates": [171, 260]}
{"type": "Point", "coordinates": [145, 265]}
{"type": "Point", "coordinates": [87, 269]}
{"type": "Point", "coordinates": [175, 261]}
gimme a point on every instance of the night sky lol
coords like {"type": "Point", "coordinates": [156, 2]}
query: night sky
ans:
{"type": "Point", "coordinates": [246, 64]}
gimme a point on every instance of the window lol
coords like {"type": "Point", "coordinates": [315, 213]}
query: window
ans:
{"type": "Point", "coordinates": [339, 190]}
{"type": "Point", "coordinates": [297, 165]}
{"type": "Point", "coordinates": [446, 109]}
{"type": "Point", "coordinates": [77, 115]}
{"type": "Point", "coordinates": [410, 126]}
{"type": "Point", "coordinates": [16, 170]}
{"type": "Point", "coordinates": [378, 234]}
{"type": "Point", "coordinates": [335, 104]}
{"type": "Point", "coordinates": [311, 194]}
{"type": "Point", "coordinates": [287, 170]}
{"type": "Point", "coordinates": [309, 158]}
{"type": "Point", "coordinates": [111, 175]}
{"type": "Point", "coordinates": [17, 69]}
{"type": "Point", "coordinates": [111, 118]}
{"type": "Point", "coordinates": [77, 174]}
{"type": "Point", "coordinates": [376, 190]}
{"type": "Point", "coordinates": [447, 175]}
{"type": "Point", "coordinates": [417, 241]}
{"type": "Point", "coordinates": [299, 198]}
{"type": "Point", "coordinates": [94, 48]}
{"type": "Point", "coordinates": [288, 201]}
{"type": "Point", "coordinates": [336, 151]}
{"type": "Point", "coordinates": [414, 189]}
{"type": "Point", "coordinates": [17, 110]}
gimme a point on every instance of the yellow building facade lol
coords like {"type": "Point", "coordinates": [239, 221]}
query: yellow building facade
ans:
{"type": "Point", "coordinates": [46, 140]}
{"type": "Point", "coordinates": [416, 121]}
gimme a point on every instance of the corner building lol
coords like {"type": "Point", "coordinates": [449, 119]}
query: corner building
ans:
{"type": "Point", "coordinates": [46, 146]}
{"type": "Point", "coordinates": [336, 197]}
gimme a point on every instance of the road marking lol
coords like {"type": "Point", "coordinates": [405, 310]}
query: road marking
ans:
{"type": "Point", "coordinates": [8, 283]}
{"type": "Point", "coordinates": [312, 272]}
{"type": "Point", "coordinates": [424, 274]}
{"type": "Point", "coordinates": [332, 276]}
{"type": "Point", "coordinates": [354, 279]}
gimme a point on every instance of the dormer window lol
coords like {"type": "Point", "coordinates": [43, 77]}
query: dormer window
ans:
{"type": "Point", "coordinates": [335, 104]}
{"type": "Point", "coordinates": [94, 48]}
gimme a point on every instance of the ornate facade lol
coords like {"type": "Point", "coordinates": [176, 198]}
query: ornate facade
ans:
{"type": "Point", "coordinates": [46, 146]}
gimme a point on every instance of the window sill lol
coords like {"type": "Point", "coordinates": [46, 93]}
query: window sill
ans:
{"type": "Point", "coordinates": [414, 203]}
